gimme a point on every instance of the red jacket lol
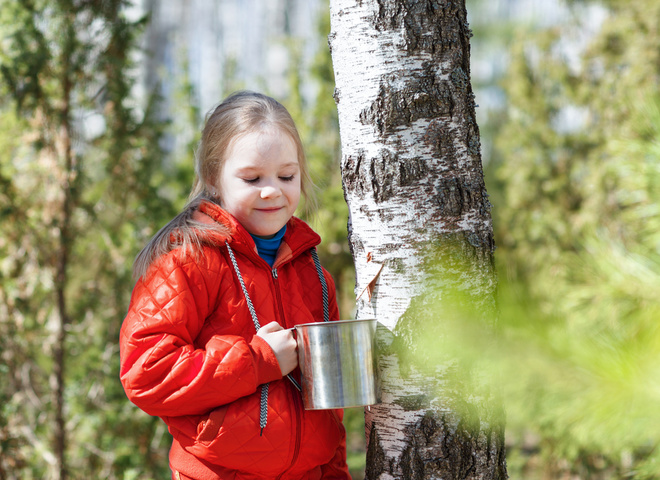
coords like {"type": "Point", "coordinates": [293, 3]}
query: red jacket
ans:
{"type": "Point", "coordinates": [189, 354]}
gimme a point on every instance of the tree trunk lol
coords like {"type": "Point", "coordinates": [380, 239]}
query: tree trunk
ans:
{"type": "Point", "coordinates": [419, 227]}
{"type": "Point", "coordinates": [64, 152]}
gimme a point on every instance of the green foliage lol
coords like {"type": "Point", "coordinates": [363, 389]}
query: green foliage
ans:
{"type": "Point", "coordinates": [577, 227]}
{"type": "Point", "coordinates": [80, 188]}
{"type": "Point", "coordinates": [67, 68]}
{"type": "Point", "coordinates": [580, 402]}
{"type": "Point", "coordinates": [68, 74]}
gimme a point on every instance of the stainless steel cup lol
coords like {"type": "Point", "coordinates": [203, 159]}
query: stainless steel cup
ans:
{"type": "Point", "coordinates": [338, 364]}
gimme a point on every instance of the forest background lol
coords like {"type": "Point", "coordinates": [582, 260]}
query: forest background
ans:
{"type": "Point", "coordinates": [93, 163]}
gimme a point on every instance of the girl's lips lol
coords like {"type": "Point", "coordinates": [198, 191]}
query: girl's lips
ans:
{"type": "Point", "coordinates": [272, 209]}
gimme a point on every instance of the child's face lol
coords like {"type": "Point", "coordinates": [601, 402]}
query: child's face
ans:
{"type": "Point", "coordinates": [260, 181]}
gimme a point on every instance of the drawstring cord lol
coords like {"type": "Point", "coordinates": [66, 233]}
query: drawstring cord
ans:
{"type": "Point", "coordinates": [263, 408]}
{"type": "Point", "coordinates": [324, 286]}
{"type": "Point", "coordinates": [253, 312]}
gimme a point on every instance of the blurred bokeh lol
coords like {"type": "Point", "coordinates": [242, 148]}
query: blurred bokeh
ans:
{"type": "Point", "coordinates": [101, 104]}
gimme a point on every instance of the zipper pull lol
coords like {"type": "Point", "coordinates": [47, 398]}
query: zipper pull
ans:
{"type": "Point", "coordinates": [274, 272]}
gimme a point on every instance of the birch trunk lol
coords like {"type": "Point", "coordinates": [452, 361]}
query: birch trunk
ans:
{"type": "Point", "coordinates": [413, 181]}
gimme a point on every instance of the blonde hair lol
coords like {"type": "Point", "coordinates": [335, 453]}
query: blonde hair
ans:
{"type": "Point", "coordinates": [239, 114]}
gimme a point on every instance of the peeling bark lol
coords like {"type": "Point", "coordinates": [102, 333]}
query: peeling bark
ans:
{"type": "Point", "coordinates": [418, 206]}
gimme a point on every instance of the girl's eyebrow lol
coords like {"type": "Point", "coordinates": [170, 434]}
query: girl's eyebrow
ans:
{"type": "Point", "coordinates": [291, 164]}
{"type": "Point", "coordinates": [246, 169]}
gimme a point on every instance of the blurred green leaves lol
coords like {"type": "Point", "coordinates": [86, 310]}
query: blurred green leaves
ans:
{"type": "Point", "coordinates": [577, 224]}
{"type": "Point", "coordinates": [584, 389]}
{"type": "Point", "coordinates": [78, 156]}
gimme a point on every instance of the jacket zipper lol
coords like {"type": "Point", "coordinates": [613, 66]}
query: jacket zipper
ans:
{"type": "Point", "coordinates": [298, 407]}
{"type": "Point", "coordinates": [296, 400]}
{"type": "Point", "coordinates": [279, 303]}
{"type": "Point", "coordinates": [279, 296]}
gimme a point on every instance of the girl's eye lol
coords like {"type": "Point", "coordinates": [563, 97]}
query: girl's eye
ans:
{"type": "Point", "coordinates": [287, 179]}
{"type": "Point", "coordinates": [251, 180]}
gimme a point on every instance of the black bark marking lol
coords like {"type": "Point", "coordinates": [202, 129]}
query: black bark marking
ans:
{"type": "Point", "coordinates": [381, 176]}
{"type": "Point", "coordinates": [460, 79]}
{"type": "Point", "coordinates": [474, 143]}
{"type": "Point", "coordinates": [375, 456]}
{"type": "Point", "coordinates": [437, 136]}
{"type": "Point", "coordinates": [413, 402]}
{"type": "Point", "coordinates": [336, 96]}
{"type": "Point", "coordinates": [428, 25]}
{"type": "Point", "coordinates": [457, 195]}
{"type": "Point", "coordinates": [452, 197]}
{"type": "Point", "coordinates": [423, 97]}
{"type": "Point", "coordinates": [411, 464]}
{"type": "Point", "coordinates": [353, 178]}
{"type": "Point", "coordinates": [438, 449]}
{"type": "Point", "coordinates": [412, 170]}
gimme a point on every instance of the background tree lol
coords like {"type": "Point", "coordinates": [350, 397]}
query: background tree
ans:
{"type": "Point", "coordinates": [127, 188]}
{"type": "Point", "coordinates": [578, 224]}
{"type": "Point", "coordinates": [80, 169]}
{"type": "Point", "coordinates": [420, 229]}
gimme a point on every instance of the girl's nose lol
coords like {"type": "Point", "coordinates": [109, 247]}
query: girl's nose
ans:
{"type": "Point", "coordinates": [270, 191]}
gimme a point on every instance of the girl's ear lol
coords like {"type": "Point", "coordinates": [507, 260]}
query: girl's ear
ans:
{"type": "Point", "coordinates": [212, 190]}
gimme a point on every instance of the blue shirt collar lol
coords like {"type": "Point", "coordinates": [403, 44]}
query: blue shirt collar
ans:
{"type": "Point", "coordinates": [268, 247]}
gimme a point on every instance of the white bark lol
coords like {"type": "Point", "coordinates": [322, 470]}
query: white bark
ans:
{"type": "Point", "coordinates": [363, 57]}
{"type": "Point", "coordinates": [412, 177]}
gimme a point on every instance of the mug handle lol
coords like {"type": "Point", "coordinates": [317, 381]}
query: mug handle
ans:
{"type": "Point", "coordinates": [289, 376]}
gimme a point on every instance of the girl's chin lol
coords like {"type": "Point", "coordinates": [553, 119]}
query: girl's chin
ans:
{"type": "Point", "coordinates": [266, 233]}
{"type": "Point", "coordinates": [265, 237]}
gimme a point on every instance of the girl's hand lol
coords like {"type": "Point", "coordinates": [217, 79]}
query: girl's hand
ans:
{"type": "Point", "coordinates": [284, 345]}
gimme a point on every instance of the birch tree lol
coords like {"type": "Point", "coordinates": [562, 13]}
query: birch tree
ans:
{"type": "Point", "coordinates": [420, 229]}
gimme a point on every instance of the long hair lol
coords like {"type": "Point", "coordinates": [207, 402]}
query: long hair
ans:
{"type": "Point", "coordinates": [239, 114]}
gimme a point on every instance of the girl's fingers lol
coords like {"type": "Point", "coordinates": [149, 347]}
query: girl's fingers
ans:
{"type": "Point", "coordinates": [270, 328]}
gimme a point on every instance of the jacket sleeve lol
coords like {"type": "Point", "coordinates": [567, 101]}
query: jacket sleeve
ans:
{"type": "Point", "coordinates": [337, 469]}
{"type": "Point", "coordinates": [161, 370]}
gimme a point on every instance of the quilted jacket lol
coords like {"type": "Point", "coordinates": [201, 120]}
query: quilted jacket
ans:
{"type": "Point", "coordinates": [189, 354]}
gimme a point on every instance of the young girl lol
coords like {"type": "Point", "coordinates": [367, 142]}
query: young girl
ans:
{"type": "Point", "coordinates": [206, 343]}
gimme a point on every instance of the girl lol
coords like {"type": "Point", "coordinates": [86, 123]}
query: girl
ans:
{"type": "Point", "coordinates": [206, 343]}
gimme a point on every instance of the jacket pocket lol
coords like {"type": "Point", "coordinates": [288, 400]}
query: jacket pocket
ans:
{"type": "Point", "coordinates": [324, 432]}
{"type": "Point", "coordinates": [230, 436]}
{"type": "Point", "coordinates": [208, 428]}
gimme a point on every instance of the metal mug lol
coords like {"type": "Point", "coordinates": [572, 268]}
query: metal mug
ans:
{"type": "Point", "coordinates": [338, 364]}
